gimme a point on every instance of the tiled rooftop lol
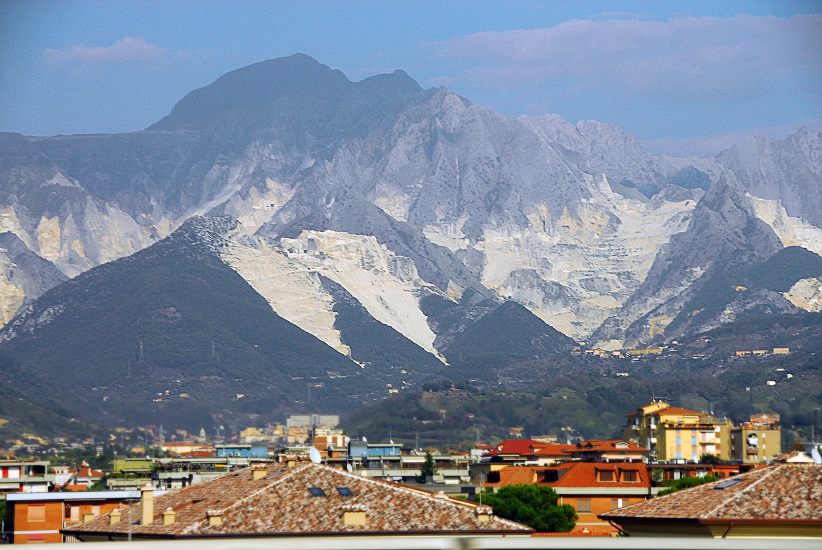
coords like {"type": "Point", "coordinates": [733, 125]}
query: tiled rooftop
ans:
{"type": "Point", "coordinates": [609, 445]}
{"type": "Point", "coordinates": [779, 492]}
{"type": "Point", "coordinates": [280, 503]}
{"type": "Point", "coordinates": [678, 410]}
{"type": "Point", "coordinates": [584, 474]}
{"type": "Point", "coordinates": [574, 474]}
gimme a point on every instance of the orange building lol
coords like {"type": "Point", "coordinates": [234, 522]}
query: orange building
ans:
{"type": "Point", "coordinates": [592, 488]}
{"type": "Point", "coordinates": [39, 517]}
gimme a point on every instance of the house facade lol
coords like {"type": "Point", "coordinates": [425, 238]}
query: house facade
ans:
{"type": "Point", "coordinates": [40, 517]}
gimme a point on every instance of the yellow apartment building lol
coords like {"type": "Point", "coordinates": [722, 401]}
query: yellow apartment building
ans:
{"type": "Point", "coordinates": [674, 433]}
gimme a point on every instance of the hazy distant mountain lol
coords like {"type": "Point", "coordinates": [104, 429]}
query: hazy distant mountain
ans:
{"type": "Point", "coordinates": [789, 170]}
{"type": "Point", "coordinates": [379, 202]}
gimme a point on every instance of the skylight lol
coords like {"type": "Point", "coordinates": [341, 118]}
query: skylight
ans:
{"type": "Point", "coordinates": [345, 492]}
{"type": "Point", "coordinates": [726, 484]}
{"type": "Point", "coordinates": [316, 492]}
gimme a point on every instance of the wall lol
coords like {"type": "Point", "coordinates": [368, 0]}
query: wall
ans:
{"type": "Point", "coordinates": [56, 517]}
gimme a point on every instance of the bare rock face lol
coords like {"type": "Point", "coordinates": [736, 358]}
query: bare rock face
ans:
{"type": "Point", "coordinates": [789, 170]}
{"type": "Point", "coordinates": [24, 275]}
{"type": "Point", "coordinates": [381, 184]}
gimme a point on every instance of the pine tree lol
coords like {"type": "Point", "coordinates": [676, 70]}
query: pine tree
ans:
{"type": "Point", "coordinates": [428, 469]}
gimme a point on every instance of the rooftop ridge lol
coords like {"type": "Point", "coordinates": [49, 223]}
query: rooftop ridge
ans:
{"type": "Point", "coordinates": [736, 494]}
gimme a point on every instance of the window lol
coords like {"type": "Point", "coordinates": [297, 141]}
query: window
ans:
{"type": "Point", "coordinates": [630, 475]}
{"type": "Point", "coordinates": [316, 492]}
{"type": "Point", "coordinates": [74, 515]}
{"type": "Point", "coordinates": [584, 505]}
{"type": "Point", "coordinates": [345, 491]}
{"type": "Point", "coordinates": [616, 503]}
{"type": "Point", "coordinates": [36, 513]}
{"type": "Point", "coordinates": [95, 511]}
{"type": "Point", "coordinates": [606, 475]}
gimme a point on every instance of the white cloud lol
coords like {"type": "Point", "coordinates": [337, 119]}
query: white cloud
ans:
{"type": "Point", "coordinates": [681, 59]}
{"type": "Point", "coordinates": [124, 50]}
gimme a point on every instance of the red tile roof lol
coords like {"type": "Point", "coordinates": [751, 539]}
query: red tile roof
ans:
{"type": "Point", "coordinates": [782, 492]}
{"type": "Point", "coordinates": [85, 471]}
{"type": "Point", "coordinates": [280, 504]}
{"type": "Point", "coordinates": [520, 446]}
{"type": "Point", "coordinates": [517, 475]}
{"type": "Point", "coordinates": [555, 449]}
{"type": "Point", "coordinates": [584, 474]}
{"type": "Point", "coordinates": [609, 445]}
{"type": "Point", "coordinates": [677, 410]}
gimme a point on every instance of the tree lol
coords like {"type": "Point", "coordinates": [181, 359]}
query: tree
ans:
{"type": "Point", "coordinates": [428, 469]}
{"type": "Point", "coordinates": [710, 458]}
{"type": "Point", "coordinates": [686, 483]}
{"type": "Point", "coordinates": [798, 445]}
{"type": "Point", "coordinates": [532, 505]}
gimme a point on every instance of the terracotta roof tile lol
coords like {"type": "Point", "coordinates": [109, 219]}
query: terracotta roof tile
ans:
{"type": "Point", "coordinates": [678, 410]}
{"type": "Point", "coordinates": [779, 492]}
{"type": "Point", "coordinates": [520, 446]}
{"type": "Point", "coordinates": [517, 475]}
{"type": "Point", "coordinates": [280, 503]}
{"type": "Point", "coordinates": [584, 474]}
{"type": "Point", "coordinates": [555, 449]}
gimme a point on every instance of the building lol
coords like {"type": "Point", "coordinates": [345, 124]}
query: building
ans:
{"type": "Point", "coordinates": [85, 475]}
{"type": "Point", "coordinates": [184, 448]}
{"type": "Point", "coordinates": [610, 450]}
{"type": "Point", "coordinates": [39, 517]}
{"type": "Point", "coordinates": [25, 477]}
{"type": "Point", "coordinates": [528, 451]}
{"type": "Point", "coordinates": [592, 488]}
{"type": "Point", "coordinates": [673, 433]}
{"type": "Point", "coordinates": [757, 440]}
{"type": "Point", "coordinates": [783, 500]}
{"type": "Point", "coordinates": [242, 451]}
{"type": "Point", "coordinates": [294, 499]}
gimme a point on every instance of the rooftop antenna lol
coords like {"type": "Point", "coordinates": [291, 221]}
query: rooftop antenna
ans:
{"type": "Point", "coordinates": [141, 352]}
{"type": "Point", "coordinates": [314, 455]}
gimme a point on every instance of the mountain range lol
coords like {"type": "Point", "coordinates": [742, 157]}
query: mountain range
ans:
{"type": "Point", "coordinates": [286, 230]}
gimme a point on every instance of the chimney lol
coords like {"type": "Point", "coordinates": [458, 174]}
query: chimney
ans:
{"type": "Point", "coordinates": [291, 463]}
{"type": "Point", "coordinates": [169, 516]}
{"type": "Point", "coordinates": [146, 505]}
{"type": "Point", "coordinates": [354, 515]}
{"type": "Point", "coordinates": [215, 518]}
{"type": "Point", "coordinates": [483, 513]}
{"type": "Point", "coordinates": [87, 517]}
{"type": "Point", "coordinates": [258, 472]}
{"type": "Point", "coordinates": [114, 517]}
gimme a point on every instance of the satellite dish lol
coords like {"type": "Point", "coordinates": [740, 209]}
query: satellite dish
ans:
{"type": "Point", "coordinates": [817, 458]}
{"type": "Point", "coordinates": [364, 439]}
{"type": "Point", "coordinates": [314, 455]}
{"type": "Point", "coordinates": [349, 468]}
{"type": "Point", "coordinates": [347, 441]}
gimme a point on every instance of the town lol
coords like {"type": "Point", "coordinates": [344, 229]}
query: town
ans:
{"type": "Point", "coordinates": [57, 491]}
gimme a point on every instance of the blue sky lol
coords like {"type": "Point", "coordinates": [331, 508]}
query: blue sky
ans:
{"type": "Point", "coordinates": [680, 75]}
